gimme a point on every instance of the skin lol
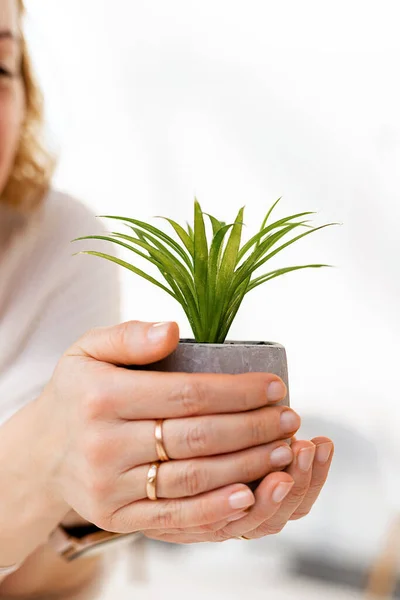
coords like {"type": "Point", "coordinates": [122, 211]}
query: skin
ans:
{"type": "Point", "coordinates": [100, 422]}
{"type": "Point", "coordinates": [98, 419]}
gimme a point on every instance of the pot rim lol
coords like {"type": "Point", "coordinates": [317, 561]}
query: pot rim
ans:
{"type": "Point", "coordinates": [230, 344]}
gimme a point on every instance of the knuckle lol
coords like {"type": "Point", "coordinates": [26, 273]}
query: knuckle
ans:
{"type": "Point", "coordinates": [258, 427]}
{"type": "Point", "coordinates": [193, 480]}
{"type": "Point", "coordinates": [272, 528]}
{"type": "Point", "coordinates": [205, 513]}
{"type": "Point", "coordinates": [256, 464]}
{"type": "Point", "coordinates": [98, 488]}
{"type": "Point", "coordinates": [299, 514]}
{"type": "Point", "coordinates": [250, 383]}
{"type": "Point", "coordinates": [120, 337]}
{"type": "Point", "coordinates": [96, 450]}
{"type": "Point", "coordinates": [315, 489]}
{"type": "Point", "coordinates": [169, 515]}
{"type": "Point", "coordinates": [95, 403]}
{"type": "Point", "coordinates": [219, 536]}
{"type": "Point", "coordinates": [190, 397]}
{"type": "Point", "coordinates": [297, 494]}
{"type": "Point", "coordinates": [196, 439]}
{"type": "Point", "coordinates": [250, 467]}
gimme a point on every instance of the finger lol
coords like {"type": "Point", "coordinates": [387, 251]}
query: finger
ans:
{"type": "Point", "coordinates": [218, 434]}
{"type": "Point", "coordinates": [204, 530]}
{"type": "Point", "coordinates": [130, 343]}
{"type": "Point", "coordinates": [183, 478]}
{"type": "Point", "coordinates": [322, 462]}
{"type": "Point", "coordinates": [300, 470]}
{"type": "Point", "coordinates": [179, 537]}
{"type": "Point", "coordinates": [133, 443]}
{"type": "Point", "coordinates": [270, 495]}
{"type": "Point", "coordinates": [181, 513]}
{"type": "Point", "coordinates": [146, 395]}
{"type": "Point", "coordinates": [150, 395]}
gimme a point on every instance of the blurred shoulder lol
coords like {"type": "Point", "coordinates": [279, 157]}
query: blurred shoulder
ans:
{"type": "Point", "coordinates": [62, 219]}
{"type": "Point", "coordinates": [68, 216]}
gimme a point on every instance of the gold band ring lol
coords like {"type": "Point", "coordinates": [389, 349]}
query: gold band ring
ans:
{"type": "Point", "coordinates": [161, 452]}
{"type": "Point", "coordinates": [242, 537]}
{"type": "Point", "coordinates": [151, 484]}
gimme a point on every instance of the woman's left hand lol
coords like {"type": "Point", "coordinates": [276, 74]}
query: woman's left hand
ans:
{"type": "Point", "coordinates": [302, 482]}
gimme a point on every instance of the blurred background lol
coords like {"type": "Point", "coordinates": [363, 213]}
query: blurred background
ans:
{"type": "Point", "coordinates": [152, 103]}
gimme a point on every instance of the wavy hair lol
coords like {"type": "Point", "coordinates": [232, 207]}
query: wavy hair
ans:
{"type": "Point", "coordinates": [33, 166]}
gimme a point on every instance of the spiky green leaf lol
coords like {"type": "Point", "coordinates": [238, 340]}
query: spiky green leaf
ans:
{"type": "Point", "coordinates": [215, 224]}
{"type": "Point", "coordinates": [289, 243]}
{"type": "Point", "coordinates": [130, 267]}
{"type": "Point", "coordinates": [200, 260]}
{"type": "Point", "coordinates": [209, 279]}
{"type": "Point", "coordinates": [278, 272]}
{"type": "Point", "coordinates": [226, 271]}
{"type": "Point", "coordinates": [257, 238]}
{"type": "Point", "coordinates": [190, 231]}
{"type": "Point", "coordinates": [184, 237]}
{"type": "Point", "coordinates": [155, 231]}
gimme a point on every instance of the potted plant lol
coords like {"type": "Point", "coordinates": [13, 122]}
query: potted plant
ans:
{"type": "Point", "coordinates": [209, 272]}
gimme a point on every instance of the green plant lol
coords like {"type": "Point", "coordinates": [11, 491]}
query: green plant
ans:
{"type": "Point", "coordinates": [208, 277]}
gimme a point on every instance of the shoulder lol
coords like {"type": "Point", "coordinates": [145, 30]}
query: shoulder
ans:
{"type": "Point", "coordinates": [67, 217]}
{"type": "Point", "coordinates": [62, 219]}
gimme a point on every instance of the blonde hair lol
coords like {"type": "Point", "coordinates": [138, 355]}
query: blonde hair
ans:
{"type": "Point", "coordinates": [33, 165]}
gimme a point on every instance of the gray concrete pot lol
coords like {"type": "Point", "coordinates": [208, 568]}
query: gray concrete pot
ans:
{"type": "Point", "coordinates": [230, 357]}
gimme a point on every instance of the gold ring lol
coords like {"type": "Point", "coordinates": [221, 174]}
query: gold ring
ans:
{"type": "Point", "coordinates": [151, 484]}
{"type": "Point", "coordinates": [161, 452]}
{"type": "Point", "coordinates": [242, 537]}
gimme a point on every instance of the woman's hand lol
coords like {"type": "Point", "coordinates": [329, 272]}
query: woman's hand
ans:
{"type": "Point", "coordinates": [218, 430]}
{"type": "Point", "coordinates": [279, 498]}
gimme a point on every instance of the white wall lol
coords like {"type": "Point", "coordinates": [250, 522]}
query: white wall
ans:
{"type": "Point", "coordinates": [241, 102]}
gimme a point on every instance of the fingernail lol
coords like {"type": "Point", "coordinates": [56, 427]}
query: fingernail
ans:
{"type": "Point", "coordinates": [281, 456]}
{"type": "Point", "coordinates": [305, 458]}
{"type": "Point", "coordinates": [281, 491]}
{"type": "Point", "coordinates": [237, 517]}
{"type": "Point", "coordinates": [324, 452]}
{"type": "Point", "coordinates": [276, 390]}
{"type": "Point", "coordinates": [290, 421]}
{"type": "Point", "coordinates": [157, 332]}
{"type": "Point", "coordinates": [242, 499]}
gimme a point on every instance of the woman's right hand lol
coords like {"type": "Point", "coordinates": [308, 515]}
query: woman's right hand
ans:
{"type": "Point", "coordinates": [218, 430]}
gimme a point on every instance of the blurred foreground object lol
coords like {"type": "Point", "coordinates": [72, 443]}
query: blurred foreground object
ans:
{"type": "Point", "coordinates": [384, 573]}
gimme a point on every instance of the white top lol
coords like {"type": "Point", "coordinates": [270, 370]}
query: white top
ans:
{"type": "Point", "coordinates": [49, 298]}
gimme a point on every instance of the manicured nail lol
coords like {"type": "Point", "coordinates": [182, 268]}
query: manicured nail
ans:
{"type": "Point", "coordinates": [281, 491]}
{"type": "Point", "coordinates": [305, 458]}
{"type": "Point", "coordinates": [276, 390]}
{"type": "Point", "coordinates": [237, 517]}
{"type": "Point", "coordinates": [281, 456]}
{"type": "Point", "coordinates": [290, 421]}
{"type": "Point", "coordinates": [158, 332]}
{"type": "Point", "coordinates": [241, 499]}
{"type": "Point", "coordinates": [324, 452]}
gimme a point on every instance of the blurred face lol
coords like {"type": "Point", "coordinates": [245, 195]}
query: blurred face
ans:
{"type": "Point", "coordinates": [11, 88]}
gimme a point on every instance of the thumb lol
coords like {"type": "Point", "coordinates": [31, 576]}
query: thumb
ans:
{"type": "Point", "coordinates": [130, 343]}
